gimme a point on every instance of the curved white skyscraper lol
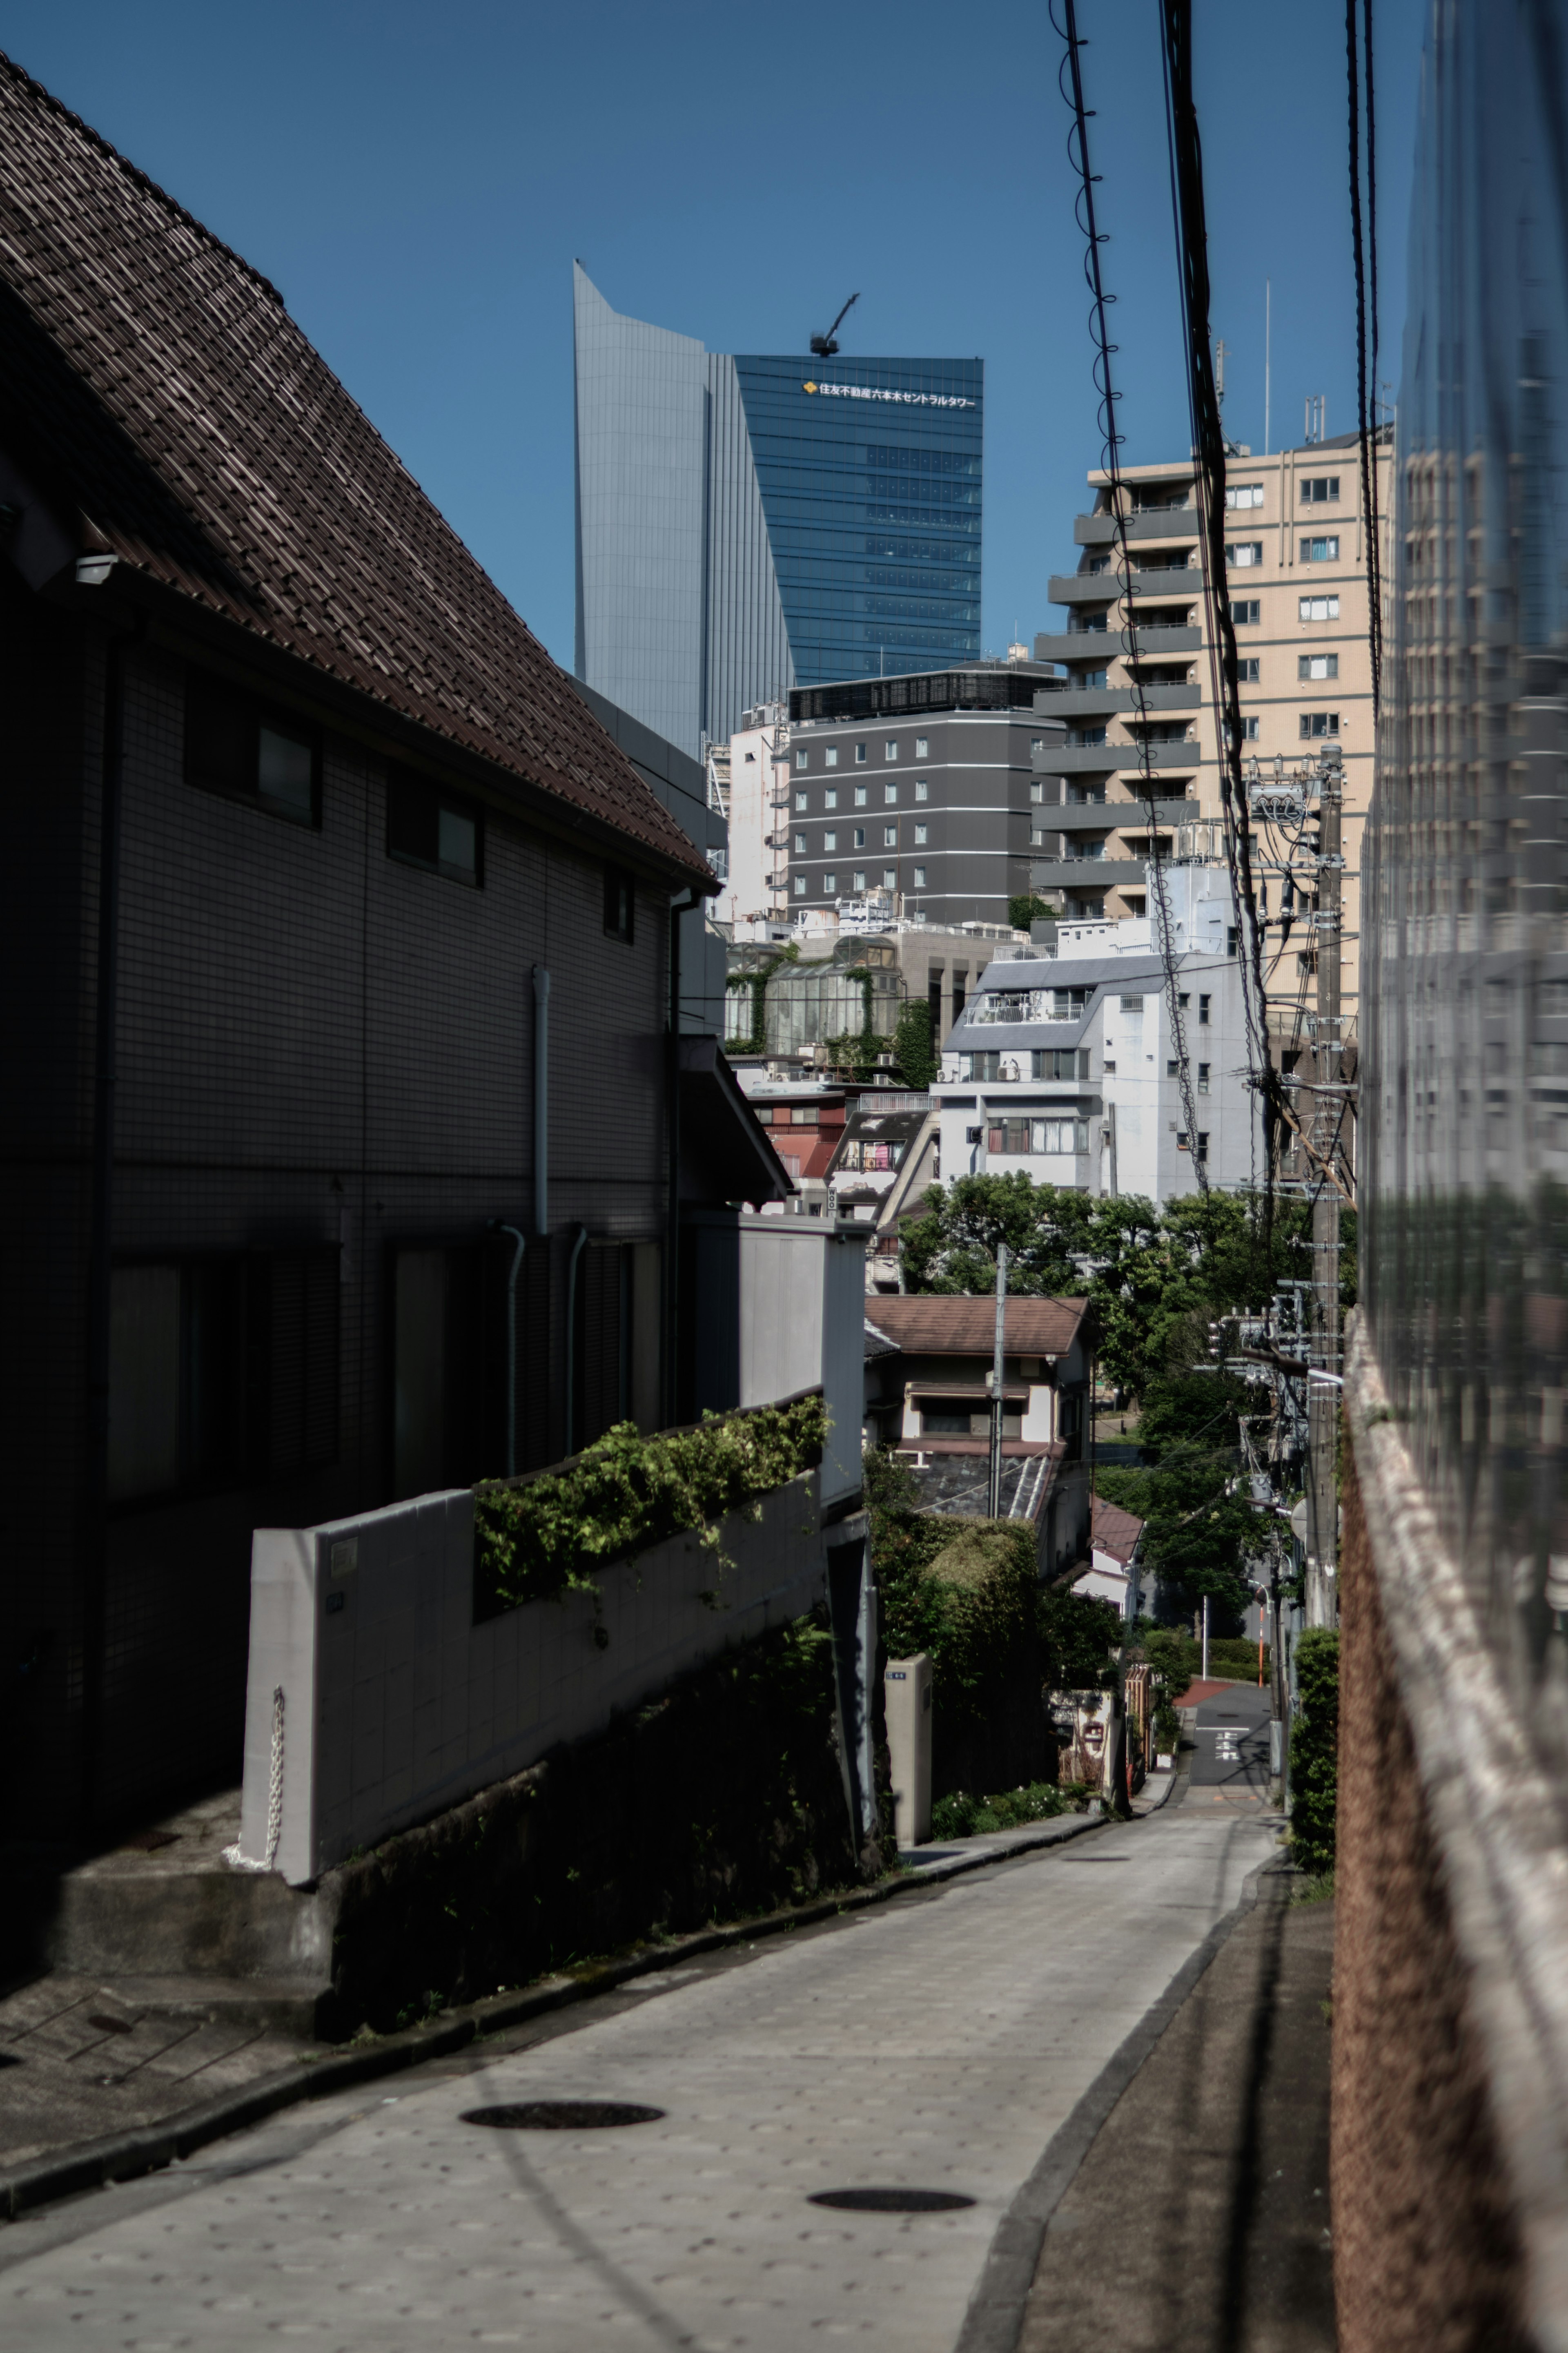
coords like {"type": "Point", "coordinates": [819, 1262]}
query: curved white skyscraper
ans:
{"type": "Point", "coordinates": [745, 525]}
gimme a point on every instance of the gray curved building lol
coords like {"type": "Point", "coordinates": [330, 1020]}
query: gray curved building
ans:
{"type": "Point", "coordinates": [747, 525]}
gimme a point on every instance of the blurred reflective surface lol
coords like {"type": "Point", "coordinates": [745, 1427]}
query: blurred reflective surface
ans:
{"type": "Point", "coordinates": [1465, 998]}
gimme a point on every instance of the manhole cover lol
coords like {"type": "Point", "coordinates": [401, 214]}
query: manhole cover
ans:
{"type": "Point", "coordinates": [892, 2201]}
{"type": "Point", "coordinates": [563, 2115]}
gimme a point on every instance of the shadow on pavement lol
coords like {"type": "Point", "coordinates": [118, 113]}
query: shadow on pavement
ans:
{"type": "Point", "coordinates": [1199, 2220]}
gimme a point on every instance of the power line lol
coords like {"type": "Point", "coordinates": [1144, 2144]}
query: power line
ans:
{"type": "Point", "coordinates": [1111, 446]}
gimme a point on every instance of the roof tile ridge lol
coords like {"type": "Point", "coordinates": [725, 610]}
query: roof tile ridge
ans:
{"type": "Point", "coordinates": [36, 89]}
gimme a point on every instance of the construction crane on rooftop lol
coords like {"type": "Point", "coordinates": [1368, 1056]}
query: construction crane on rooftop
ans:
{"type": "Point", "coordinates": [825, 346]}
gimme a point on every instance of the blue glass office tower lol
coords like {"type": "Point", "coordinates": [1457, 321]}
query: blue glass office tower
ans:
{"type": "Point", "coordinates": [747, 525]}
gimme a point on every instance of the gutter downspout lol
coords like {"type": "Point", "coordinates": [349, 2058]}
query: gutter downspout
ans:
{"type": "Point", "coordinates": [541, 1100]}
{"type": "Point", "coordinates": [497, 1226]}
{"type": "Point", "coordinates": [579, 1241]}
{"type": "Point", "coordinates": [678, 907]}
{"type": "Point", "coordinates": [99, 1283]}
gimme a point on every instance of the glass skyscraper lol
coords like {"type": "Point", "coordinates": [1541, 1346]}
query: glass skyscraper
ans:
{"type": "Point", "coordinates": [749, 524]}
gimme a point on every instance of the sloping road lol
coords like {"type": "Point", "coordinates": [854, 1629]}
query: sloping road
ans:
{"type": "Point", "coordinates": [963, 2041]}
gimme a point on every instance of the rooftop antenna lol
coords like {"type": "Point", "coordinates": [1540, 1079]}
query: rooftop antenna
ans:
{"type": "Point", "coordinates": [825, 346]}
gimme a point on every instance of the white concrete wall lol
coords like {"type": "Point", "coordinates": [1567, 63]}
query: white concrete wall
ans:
{"type": "Point", "coordinates": [396, 1705]}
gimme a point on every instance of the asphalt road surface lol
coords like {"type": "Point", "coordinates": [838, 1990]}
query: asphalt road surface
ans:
{"type": "Point", "coordinates": [971, 2040]}
{"type": "Point", "coordinates": [1232, 1732]}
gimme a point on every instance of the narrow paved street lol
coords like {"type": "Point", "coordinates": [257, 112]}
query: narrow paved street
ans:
{"type": "Point", "coordinates": [963, 2041]}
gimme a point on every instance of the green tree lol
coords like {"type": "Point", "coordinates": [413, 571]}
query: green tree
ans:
{"type": "Point", "coordinates": [1028, 909]}
{"type": "Point", "coordinates": [953, 1247]}
{"type": "Point", "coordinates": [1199, 1528]}
{"type": "Point", "coordinates": [913, 1049]}
{"type": "Point", "coordinates": [1315, 1750]}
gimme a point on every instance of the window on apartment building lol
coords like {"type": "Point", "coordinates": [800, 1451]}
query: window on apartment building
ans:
{"type": "Point", "coordinates": [800, 886]}
{"type": "Point", "coordinates": [1241, 552]}
{"type": "Point", "coordinates": [859, 756]}
{"type": "Point", "coordinates": [1132, 1005]}
{"type": "Point", "coordinates": [830, 757]}
{"type": "Point", "coordinates": [889, 877]}
{"type": "Point", "coordinates": [428, 827]}
{"type": "Point", "coordinates": [1067, 1004]}
{"type": "Point", "coordinates": [890, 748]}
{"type": "Point", "coordinates": [1249, 729]}
{"type": "Point", "coordinates": [830, 883]}
{"type": "Point", "coordinates": [1317, 665]}
{"type": "Point", "coordinates": [986, 1068]}
{"type": "Point", "coordinates": [923, 789]}
{"type": "Point", "coordinates": [890, 837]}
{"type": "Point", "coordinates": [244, 748]}
{"type": "Point", "coordinates": [1245, 612]}
{"type": "Point", "coordinates": [1319, 608]}
{"type": "Point", "coordinates": [889, 793]}
{"type": "Point", "coordinates": [923, 834]}
{"type": "Point", "coordinates": [1172, 1069]}
{"type": "Point", "coordinates": [1203, 1004]}
{"type": "Point", "coordinates": [802, 800]}
{"type": "Point", "coordinates": [1320, 490]}
{"type": "Point", "coordinates": [1064, 1064]}
{"type": "Point", "coordinates": [1202, 1078]}
{"type": "Point", "coordinates": [1247, 671]}
{"type": "Point", "coordinates": [800, 844]}
{"type": "Point", "coordinates": [223, 1371]}
{"type": "Point", "coordinates": [1322, 550]}
{"type": "Point", "coordinates": [620, 904]}
{"type": "Point", "coordinates": [857, 838]}
{"type": "Point", "coordinates": [802, 759]}
{"type": "Point", "coordinates": [920, 878]}
{"type": "Point", "coordinates": [922, 747]}
{"type": "Point", "coordinates": [1315, 725]}
{"type": "Point", "coordinates": [859, 796]}
{"type": "Point", "coordinates": [830, 841]}
{"type": "Point", "coordinates": [859, 881]}
{"type": "Point", "coordinates": [1244, 494]}
{"type": "Point", "coordinates": [1037, 789]}
{"type": "Point", "coordinates": [1182, 1144]}
{"type": "Point", "coordinates": [830, 799]}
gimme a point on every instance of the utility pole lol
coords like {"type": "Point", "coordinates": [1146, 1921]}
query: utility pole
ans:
{"type": "Point", "coordinates": [993, 1500]}
{"type": "Point", "coordinates": [1329, 1102]}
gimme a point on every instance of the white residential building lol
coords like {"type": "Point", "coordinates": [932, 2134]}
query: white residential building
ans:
{"type": "Point", "coordinates": [1066, 1065]}
{"type": "Point", "coordinates": [755, 899]}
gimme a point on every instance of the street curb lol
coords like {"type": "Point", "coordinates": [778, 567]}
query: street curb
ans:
{"type": "Point", "coordinates": [995, 2316]}
{"type": "Point", "coordinates": [149, 2149]}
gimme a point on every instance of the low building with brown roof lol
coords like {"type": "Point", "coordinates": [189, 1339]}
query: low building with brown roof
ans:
{"type": "Point", "coordinates": [338, 938]}
{"type": "Point", "coordinates": [931, 1402]}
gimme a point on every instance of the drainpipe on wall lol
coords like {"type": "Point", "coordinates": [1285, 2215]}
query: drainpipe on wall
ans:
{"type": "Point", "coordinates": [99, 1281]}
{"type": "Point", "coordinates": [579, 1241]}
{"type": "Point", "coordinates": [541, 1100]}
{"type": "Point", "coordinates": [678, 907]}
{"type": "Point", "coordinates": [497, 1226]}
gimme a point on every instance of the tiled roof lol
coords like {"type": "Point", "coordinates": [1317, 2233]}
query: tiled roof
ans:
{"type": "Point", "coordinates": [168, 409]}
{"type": "Point", "coordinates": [1116, 1531]}
{"type": "Point", "coordinates": [933, 1324]}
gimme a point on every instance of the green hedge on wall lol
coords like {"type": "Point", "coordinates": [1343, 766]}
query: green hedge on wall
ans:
{"type": "Point", "coordinates": [1315, 1750]}
{"type": "Point", "coordinates": [625, 1492]}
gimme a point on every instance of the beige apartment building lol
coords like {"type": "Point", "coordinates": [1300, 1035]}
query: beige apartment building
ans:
{"type": "Point", "coordinates": [1296, 562]}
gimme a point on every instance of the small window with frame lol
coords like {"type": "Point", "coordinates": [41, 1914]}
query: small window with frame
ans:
{"type": "Point", "coordinates": [620, 905]}
{"type": "Point", "coordinates": [249, 750]}
{"type": "Point", "coordinates": [428, 827]}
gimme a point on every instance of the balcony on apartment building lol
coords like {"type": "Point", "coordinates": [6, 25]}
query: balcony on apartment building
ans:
{"type": "Point", "coordinates": [1104, 759]}
{"type": "Point", "coordinates": [1092, 701]}
{"type": "Point", "coordinates": [1094, 817]}
{"type": "Point", "coordinates": [1172, 524]}
{"type": "Point", "coordinates": [1147, 580]}
{"type": "Point", "coordinates": [1102, 873]}
{"type": "Point", "coordinates": [1154, 642]}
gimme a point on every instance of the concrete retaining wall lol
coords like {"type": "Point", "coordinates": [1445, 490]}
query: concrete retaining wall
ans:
{"type": "Point", "coordinates": [375, 1701]}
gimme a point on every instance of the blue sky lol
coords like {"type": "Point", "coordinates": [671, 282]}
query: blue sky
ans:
{"type": "Point", "coordinates": [417, 181]}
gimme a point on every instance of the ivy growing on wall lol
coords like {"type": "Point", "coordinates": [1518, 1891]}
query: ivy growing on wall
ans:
{"type": "Point", "coordinates": [553, 1533]}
